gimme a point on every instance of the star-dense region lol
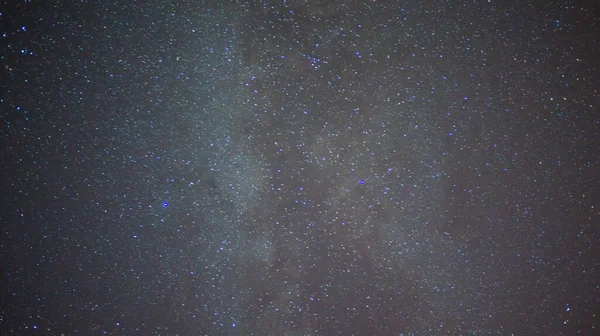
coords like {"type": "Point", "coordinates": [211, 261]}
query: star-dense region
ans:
{"type": "Point", "coordinates": [300, 167]}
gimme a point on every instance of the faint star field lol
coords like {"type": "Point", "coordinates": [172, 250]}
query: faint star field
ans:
{"type": "Point", "coordinates": [300, 167]}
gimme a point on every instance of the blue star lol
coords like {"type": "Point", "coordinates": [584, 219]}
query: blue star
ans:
{"type": "Point", "coordinates": [165, 204]}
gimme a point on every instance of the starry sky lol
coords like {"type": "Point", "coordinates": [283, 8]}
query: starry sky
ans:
{"type": "Point", "coordinates": [300, 167]}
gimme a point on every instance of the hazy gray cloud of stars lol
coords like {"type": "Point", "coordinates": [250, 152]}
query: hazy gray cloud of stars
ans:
{"type": "Point", "coordinates": [300, 168]}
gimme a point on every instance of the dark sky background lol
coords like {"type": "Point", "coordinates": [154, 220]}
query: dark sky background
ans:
{"type": "Point", "coordinates": [300, 167]}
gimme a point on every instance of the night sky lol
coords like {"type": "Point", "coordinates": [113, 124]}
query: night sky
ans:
{"type": "Point", "coordinates": [300, 167]}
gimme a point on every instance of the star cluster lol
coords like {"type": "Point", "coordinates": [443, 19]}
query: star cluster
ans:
{"type": "Point", "coordinates": [300, 168]}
